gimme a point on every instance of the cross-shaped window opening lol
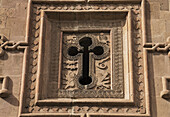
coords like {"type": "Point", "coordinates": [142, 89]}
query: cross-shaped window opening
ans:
{"type": "Point", "coordinates": [85, 42]}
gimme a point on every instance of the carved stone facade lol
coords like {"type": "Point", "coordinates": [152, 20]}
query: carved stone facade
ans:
{"type": "Point", "coordinates": [59, 29]}
{"type": "Point", "coordinates": [86, 58]}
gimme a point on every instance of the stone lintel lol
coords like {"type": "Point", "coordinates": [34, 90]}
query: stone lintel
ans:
{"type": "Point", "coordinates": [95, 1]}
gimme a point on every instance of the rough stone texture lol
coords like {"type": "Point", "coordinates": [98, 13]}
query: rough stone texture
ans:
{"type": "Point", "coordinates": [13, 25]}
{"type": "Point", "coordinates": [159, 63]}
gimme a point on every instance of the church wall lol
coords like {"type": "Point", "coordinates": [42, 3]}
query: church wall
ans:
{"type": "Point", "coordinates": [13, 25]}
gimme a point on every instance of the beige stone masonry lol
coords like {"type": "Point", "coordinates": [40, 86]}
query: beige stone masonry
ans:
{"type": "Point", "coordinates": [165, 93]}
{"type": "Point", "coordinates": [32, 78]}
{"type": "Point", "coordinates": [4, 83]}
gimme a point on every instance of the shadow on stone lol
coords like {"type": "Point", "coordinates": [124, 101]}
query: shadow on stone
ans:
{"type": "Point", "coordinates": [11, 98]}
{"type": "Point", "coordinates": [150, 67]}
{"type": "Point", "coordinates": [4, 56]}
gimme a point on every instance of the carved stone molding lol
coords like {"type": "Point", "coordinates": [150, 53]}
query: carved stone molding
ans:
{"type": "Point", "coordinates": [165, 93]}
{"type": "Point", "coordinates": [44, 26]}
{"type": "Point", "coordinates": [159, 47]}
{"type": "Point", "coordinates": [4, 82]}
{"type": "Point", "coordinates": [5, 44]}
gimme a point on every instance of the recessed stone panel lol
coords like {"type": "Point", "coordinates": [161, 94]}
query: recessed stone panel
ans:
{"type": "Point", "coordinates": [83, 57]}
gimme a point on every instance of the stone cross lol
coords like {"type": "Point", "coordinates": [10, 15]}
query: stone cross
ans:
{"type": "Point", "coordinates": [85, 42]}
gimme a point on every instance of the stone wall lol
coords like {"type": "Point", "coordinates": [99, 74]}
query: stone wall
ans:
{"type": "Point", "coordinates": [158, 31]}
{"type": "Point", "coordinates": [13, 25]}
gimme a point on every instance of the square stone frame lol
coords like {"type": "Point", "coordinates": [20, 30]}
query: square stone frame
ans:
{"type": "Point", "coordinates": [114, 101]}
{"type": "Point", "coordinates": [129, 77]}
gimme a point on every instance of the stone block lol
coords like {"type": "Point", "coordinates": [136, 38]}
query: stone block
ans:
{"type": "Point", "coordinates": [21, 10]}
{"type": "Point", "coordinates": [5, 32]}
{"type": "Point", "coordinates": [15, 86]}
{"type": "Point", "coordinates": [159, 65]}
{"type": "Point", "coordinates": [14, 60]}
{"type": "Point", "coordinates": [18, 38]}
{"type": "Point", "coordinates": [154, 10]}
{"type": "Point", "coordinates": [13, 15]}
{"type": "Point", "coordinates": [158, 86]}
{"type": "Point", "coordinates": [158, 31]}
{"type": "Point", "coordinates": [9, 107]}
{"type": "Point", "coordinates": [3, 21]}
{"type": "Point", "coordinates": [167, 24]}
{"type": "Point", "coordinates": [164, 5]}
{"type": "Point", "coordinates": [154, 6]}
{"type": "Point", "coordinates": [165, 15]}
{"type": "Point", "coordinates": [11, 3]}
{"type": "Point", "coordinates": [162, 107]}
{"type": "Point", "coordinates": [17, 26]}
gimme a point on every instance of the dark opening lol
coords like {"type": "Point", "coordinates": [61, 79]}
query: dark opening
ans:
{"type": "Point", "coordinates": [168, 83]}
{"type": "Point", "coordinates": [85, 79]}
{"type": "Point", "coordinates": [72, 51]}
{"type": "Point", "coordinates": [1, 82]}
{"type": "Point", "coordinates": [98, 50]}
{"type": "Point", "coordinates": [85, 42]}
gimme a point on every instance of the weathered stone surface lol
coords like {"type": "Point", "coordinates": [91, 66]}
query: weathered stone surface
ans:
{"type": "Point", "coordinates": [11, 62]}
{"type": "Point", "coordinates": [44, 79]}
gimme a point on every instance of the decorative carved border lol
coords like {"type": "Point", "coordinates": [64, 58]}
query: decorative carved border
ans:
{"type": "Point", "coordinates": [83, 115]}
{"type": "Point", "coordinates": [10, 45]}
{"type": "Point", "coordinates": [53, 115]}
{"type": "Point", "coordinates": [111, 93]}
{"type": "Point", "coordinates": [141, 107]}
{"type": "Point", "coordinates": [100, 99]}
{"type": "Point", "coordinates": [159, 47]}
{"type": "Point", "coordinates": [89, 1]}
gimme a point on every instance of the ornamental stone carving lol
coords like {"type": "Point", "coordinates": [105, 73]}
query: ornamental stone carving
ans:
{"type": "Point", "coordinates": [84, 56]}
